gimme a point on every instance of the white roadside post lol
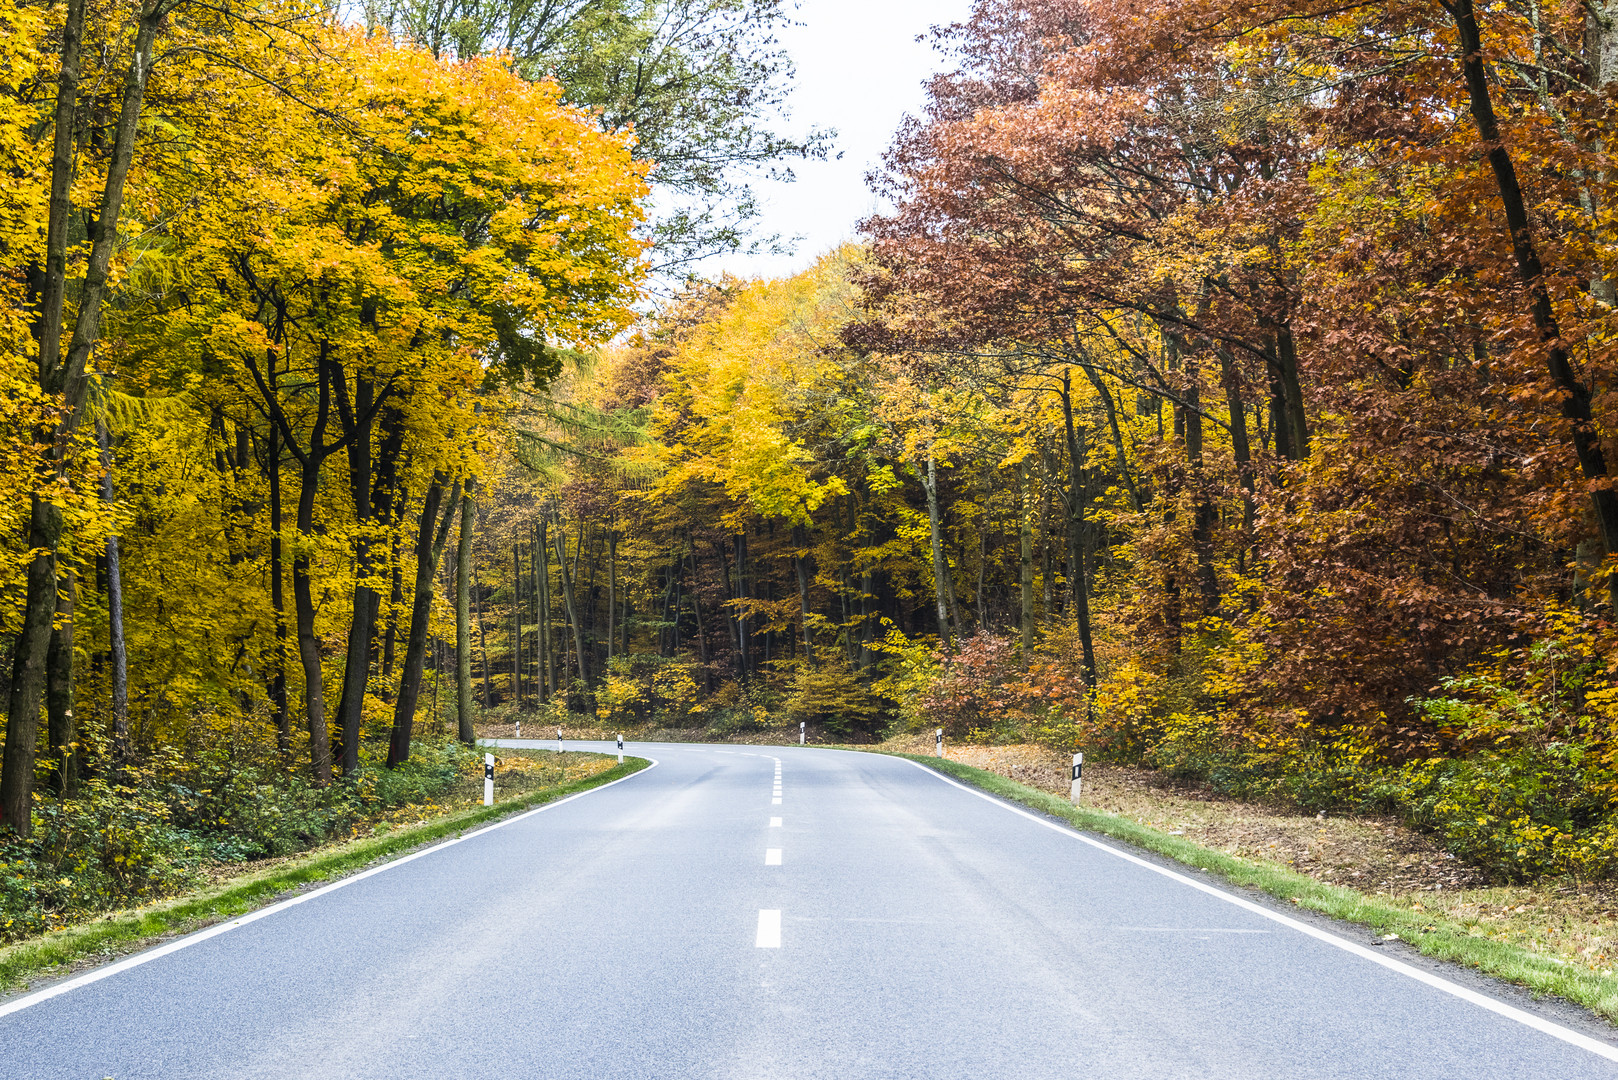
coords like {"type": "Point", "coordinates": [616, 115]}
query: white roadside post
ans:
{"type": "Point", "coordinates": [559, 739]}
{"type": "Point", "coordinates": [519, 728]}
{"type": "Point", "coordinates": [620, 748]}
{"type": "Point", "coordinates": [1078, 776]}
{"type": "Point", "coordinates": [938, 750]}
{"type": "Point", "coordinates": [802, 725]}
{"type": "Point", "coordinates": [488, 779]}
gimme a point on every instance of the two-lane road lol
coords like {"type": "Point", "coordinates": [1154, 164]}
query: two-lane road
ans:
{"type": "Point", "coordinates": [778, 914]}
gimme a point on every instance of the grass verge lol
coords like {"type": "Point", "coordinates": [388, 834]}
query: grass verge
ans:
{"type": "Point", "coordinates": [120, 932]}
{"type": "Point", "coordinates": [1435, 936]}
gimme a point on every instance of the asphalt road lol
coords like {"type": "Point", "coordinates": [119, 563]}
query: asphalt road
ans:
{"type": "Point", "coordinates": [783, 914]}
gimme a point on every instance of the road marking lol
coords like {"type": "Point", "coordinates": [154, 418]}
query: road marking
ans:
{"type": "Point", "coordinates": [1437, 982]}
{"type": "Point", "coordinates": [772, 856]}
{"type": "Point", "coordinates": [18, 1004]}
{"type": "Point", "coordinates": [775, 823]}
{"type": "Point", "coordinates": [775, 801]}
{"type": "Point", "coordinates": [769, 929]}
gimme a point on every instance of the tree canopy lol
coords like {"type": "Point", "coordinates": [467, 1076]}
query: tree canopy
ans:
{"type": "Point", "coordinates": [1225, 389]}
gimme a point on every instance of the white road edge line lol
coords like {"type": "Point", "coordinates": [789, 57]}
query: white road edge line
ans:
{"type": "Point", "coordinates": [19, 1004]}
{"type": "Point", "coordinates": [1437, 982]}
{"type": "Point", "coordinates": [769, 929]}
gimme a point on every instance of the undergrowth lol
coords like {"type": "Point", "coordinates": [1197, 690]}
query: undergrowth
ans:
{"type": "Point", "coordinates": [170, 824]}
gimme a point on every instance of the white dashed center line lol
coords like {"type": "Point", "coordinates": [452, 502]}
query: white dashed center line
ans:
{"type": "Point", "coordinates": [775, 823]}
{"type": "Point", "coordinates": [772, 856]}
{"type": "Point", "coordinates": [769, 929]}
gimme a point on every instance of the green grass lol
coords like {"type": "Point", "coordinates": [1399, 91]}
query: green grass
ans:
{"type": "Point", "coordinates": [1438, 937]}
{"type": "Point", "coordinates": [110, 935]}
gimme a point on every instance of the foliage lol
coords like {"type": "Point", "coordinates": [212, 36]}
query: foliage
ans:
{"type": "Point", "coordinates": [702, 83]}
{"type": "Point", "coordinates": [831, 696]}
{"type": "Point", "coordinates": [976, 688]}
{"type": "Point", "coordinates": [648, 689]}
{"type": "Point", "coordinates": [162, 828]}
{"type": "Point", "coordinates": [1204, 399]}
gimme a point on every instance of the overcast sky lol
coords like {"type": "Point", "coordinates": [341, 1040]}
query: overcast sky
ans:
{"type": "Point", "coordinates": [859, 70]}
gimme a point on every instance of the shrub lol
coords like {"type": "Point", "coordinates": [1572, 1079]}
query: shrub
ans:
{"type": "Point", "coordinates": [831, 695]}
{"type": "Point", "coordinates": [1518, 814]}
{"type": "Point", "coordinates": [154, 832]}
{"type": "Point", "coordinates": [646, 688]}
{"type": "Point", "coordinates": [977, 688]}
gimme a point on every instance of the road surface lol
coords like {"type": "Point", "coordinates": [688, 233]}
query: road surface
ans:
{"type": "Point", "coordinates": [784, 914]}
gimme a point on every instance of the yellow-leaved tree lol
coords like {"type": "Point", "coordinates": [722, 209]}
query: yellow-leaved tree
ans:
{"type": "Point", "coordinates": [345, 295]}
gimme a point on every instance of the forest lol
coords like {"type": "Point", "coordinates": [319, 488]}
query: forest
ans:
{"type": "Point", "coordinates": [1226, 388]}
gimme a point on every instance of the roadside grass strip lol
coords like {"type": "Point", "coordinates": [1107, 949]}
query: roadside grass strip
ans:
{"type": "Point", "coordinates": [1437, 937]}
{"type": "Point", "coordinates": [122, 932]}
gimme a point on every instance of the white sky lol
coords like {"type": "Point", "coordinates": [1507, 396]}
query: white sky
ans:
{"type": "Point", "coordinates": [859, 70]}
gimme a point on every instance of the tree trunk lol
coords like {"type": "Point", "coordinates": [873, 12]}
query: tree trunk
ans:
{"type": "Point", "coordinates": [1286, 397]}
{"type": "Point", "coordinates": [278, 681]}
{"type": "Point", "coordinates": [982, 597]}
{"type": "Point", "coordinates": [800, 563]}
{"type": "Point", "coordinates": [702, 631]}
{"type": "Point", "coordinates": [612, 589]}
{"type": "Point", "coordinates": [66, 379]}
{"type": "Point", "coordinates": [390, 634]}
{"type": "Point", "coordinates": [1077, 569]}
{"type": "Point", "coordinates": [1241, 449]}
{"type": "Point", "coordinates": [28, 671]}
{"type": "Point", "coordinates": [1045, 570]}
{"type": "Point", "coordinates": [1026, 560]}
{"type": "Point", "coordinates": [941, 579]}
{"type": "Point", "coordinates": [116, 644]}
{"type": "Point", "coordinates": [516, 625]}
{"type": "Point", "coordinates": [314, 695]}
{"type": "Point", "coordinates": [365, 600]}
{"type": "Point", "coordinates": [463, 618]}
{"type": "Point", "coordinates": [429, 547]}
{"type": "Point", "coordinates": [53, 290]}
{"type": "Point", "coordinates": [1136, 499]}
{"type": "Point", "coordinates": [1202, 520]}
{"type": "Point", "coordinates": [744, 638]}
{"type": "Point", "coordinates": [483, 642]}
{"type": "Point", "coordinates": [1576, 398]}
{"type": "Point", "coordinates": [866, 632]}
{"type": "Point", "coordinates": [66, 757]}
{"type": "Point", "coordinates": [569, 599]}
{"type": "Point", "coordinates": [547, 672]}
{"type": "Point", "coordinates": [535, 554]}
